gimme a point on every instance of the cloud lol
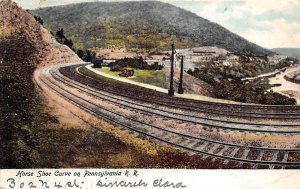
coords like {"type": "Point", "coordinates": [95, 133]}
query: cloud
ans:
{"type": "Point", "coordinates": [234, 16]}
{"type": "Point", "coordinates": [266, 23]}
{"type": "Point", "coordinates": [281, 34]}
{"type": "Point", "coordinates": [261, 6]}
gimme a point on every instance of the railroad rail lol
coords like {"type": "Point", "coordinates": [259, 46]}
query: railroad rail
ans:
{"type": "Point", "coordinates": [228, 152]}
{"type": "Point", "coordinates": [195, 119]}
{"type": "Point", "coordinates": [151, 96]}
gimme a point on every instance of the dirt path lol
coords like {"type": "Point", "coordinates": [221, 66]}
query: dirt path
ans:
{"type": "Point", "coordinates": [287, 87]}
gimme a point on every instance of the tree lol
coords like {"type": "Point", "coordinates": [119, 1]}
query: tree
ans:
{"type": "Point", "coordinates": [80, 53]}
{"type": "Point", "coordinates": [39, 19]}
{"type": "Point", "coordinates": [60, 37]}
{"type": "Point", "coordinates": [96, 61]}
{"type": "Point", "coordinates": [69, 43]}
{"type": "Point", "coordinates": [88, 56]}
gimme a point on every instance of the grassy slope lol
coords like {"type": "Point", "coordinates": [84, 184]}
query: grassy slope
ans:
{"type": "Point", "coordinates": [156, 78]}
{"type": "Point", "coordinates": [151, 77]}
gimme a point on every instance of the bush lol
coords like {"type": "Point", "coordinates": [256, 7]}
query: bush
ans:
{"type": "Point", "coordinates": [137, 63]}
{"type": "Point", "coordinates": [228, 86]}
{"type": "Point", "coordinates": [97, 63]}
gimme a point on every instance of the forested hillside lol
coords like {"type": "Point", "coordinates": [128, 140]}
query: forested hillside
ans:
{"type": "Point", "coordinates": [146, 25]}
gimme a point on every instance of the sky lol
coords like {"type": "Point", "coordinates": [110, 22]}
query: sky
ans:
{"type": "Point", "coordinates": [268, 23]}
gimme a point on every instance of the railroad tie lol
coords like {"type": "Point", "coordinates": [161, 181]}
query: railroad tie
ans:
{"type": "Point", "coordinates": [234, 152]}
{"type": "Point", "coordinates": [201, 148]}
{"type": "Point", "coordinates": [245, 154]}
{"type": "Point", "coordinates": [185, 143]}
{"type": "Point", "coordinates": [168, 137]}
{"type": "Point", "coordinates": [261, 153]}
{"type": "Point", "coordinates": [285, 158]}
{"type": "Point", "coordinates": [161, 134]}
{"type": "Point", "coordinates": [164, 138]}
{"type": "Point", "coordinates": [211, 151]}
{"type": "Point", "coordinates": [151, 138]}
{"type": "Point", "coordinates": [190, 153]}
{"type": "Point", "coordinates": [274, 158]}
{"type": "Point", "coordinates": [152, 133]}
{"type": "Point", "coordinates": [231, 155]}
{"type": "Point", "coordinates": [223, 150]}
{"type": "Point", "coordinates": [182, 140]}
{"type": "Point", "coordinates": [255, 166]}
{"type": "Point", "coordinates": [174, 139]}
{"type": "Point", "coordinates": [192, 144]}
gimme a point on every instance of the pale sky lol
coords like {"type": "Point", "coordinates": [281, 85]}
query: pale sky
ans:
{"type": "Point", "coordinates": [269, 23]}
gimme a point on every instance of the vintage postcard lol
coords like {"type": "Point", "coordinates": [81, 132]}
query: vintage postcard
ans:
{"type": "Point", "coordinates": [149, 94]}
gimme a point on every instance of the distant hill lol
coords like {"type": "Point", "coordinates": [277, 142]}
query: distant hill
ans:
{"type": "Point", "coordinates": [291, 52]}
{"type": "Point", "coordinates": [140, 25]}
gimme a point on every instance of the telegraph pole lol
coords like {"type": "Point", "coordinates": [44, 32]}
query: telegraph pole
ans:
{"type": "Point", "coordinates": [171, 88]}
{"type": "Point", "coordinates": [180, 88]}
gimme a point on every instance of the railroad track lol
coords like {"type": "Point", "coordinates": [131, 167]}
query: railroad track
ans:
{"type": "Point", "coordinates": [154, 97]}
{"type": "Point", "coordinates": [229, 152]}
{"type": "Point", "coordinates": [204, 121]}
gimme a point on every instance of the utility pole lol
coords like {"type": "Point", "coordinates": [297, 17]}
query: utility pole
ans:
{"type": "Point", "coordinates": [180, 88]}
{"type": "Point", "coordinates": [171, 88]}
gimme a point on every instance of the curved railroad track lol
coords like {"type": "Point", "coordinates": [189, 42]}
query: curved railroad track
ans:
{"type": "Point", "coordinates": [151, 96]}
{"type": "Point", "coordinates": [254, 155]}
{"type": "Point", "coordinates": [195, 119]}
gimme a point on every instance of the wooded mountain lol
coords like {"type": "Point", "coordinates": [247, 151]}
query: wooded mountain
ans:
{"type": "Point", "coordinates": [291, 52]}
{"type": "Point", "coordinates": [140, 25]}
